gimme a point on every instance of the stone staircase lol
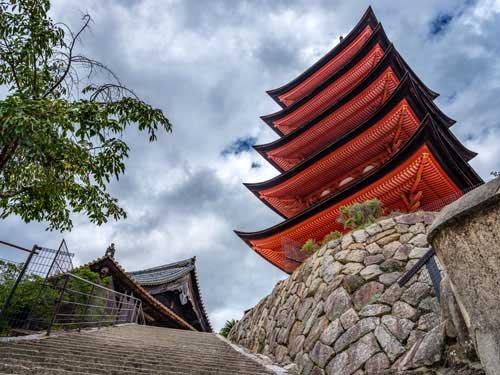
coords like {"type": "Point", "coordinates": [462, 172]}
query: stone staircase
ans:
{"type": "Point", "coordinates": [128, 349]}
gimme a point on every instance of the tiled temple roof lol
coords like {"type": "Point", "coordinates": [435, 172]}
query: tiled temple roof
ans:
{"type": "Point", "coordinates": [165, 273]}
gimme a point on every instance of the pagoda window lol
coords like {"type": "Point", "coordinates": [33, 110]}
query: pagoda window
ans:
{"type": "Point", "coordinates": [368, 168]}
{"type": "Point", "coordinates": [346, 181]}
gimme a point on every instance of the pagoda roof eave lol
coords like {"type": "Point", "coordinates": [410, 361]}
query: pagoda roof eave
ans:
{"type": "Point", "coordinates": [378, 36]}
{"type": "Point", "coordinates": [368, 18]}
{"type": "Point", "coordinates": [387, 58]}
{"type": "Point", "coordinates": [267, 147]}
{"type": "Point", "coordinates": [429, 133]}
{"type": "Point", "coordinates": [406, 90]}
{"type": "Point", "coordinates": [247, 241]}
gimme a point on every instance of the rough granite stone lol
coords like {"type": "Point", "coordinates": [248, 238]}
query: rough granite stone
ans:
{"type": "Point", "coordinates": [332, 332]}
{"type": "Point", "coordinates": [316, 331]}
{"type": "Point", "coordinates": [317, 371]}
{"type": "Point", "coordinates": [389, 278]}
{"type": "Point", "coordinates": [370, 272]}
{"type": "Point", "coordinates": [297, 329]}
{"type": "Point", "coordinates": [392, 265]}
{"type": "Point", "coordinates": [352, 268]}
{"type": "Point", "coordinates": [373, 248]}
{"type": "Point", "coordinates": [360, 235]}
{"type": "Point", "coordinates": [329, 272]}
{"type": "Point", "coordinates": [420, 240]}
{"type": "Point", "coordinates": [333, 243]}
{"type": "Point", "coordinates": [406, 237]}
{"type": "Point", "coordinates": [346, 240]}
{"type": "Point", "coordinates": [387, 223]}
{"type": "Point", "coordinates": [417, 228]}
{"type": "Point", "coordinates": [347, 362]}
{"type": "Point", "coordinates": [418, 252]}
{"type": "Point", "coordinates": [296, 346]}
{"type": "Point", "coordinates": [356, 256]}
{"type": "Point", "coordinates": [389, 249]}
{"type": "Point", "coordinates": [401, 228]}
{"type": "Point", "coordinates": [321, 354]}
{"type": "Point", "coordinates": [402, 252]}
{"type": "Point", "coordinates": [428, 321]}
{"type": "Point", "coordinates": [416, 293]}
{"type": "Point", "coordinates": [374, 259]}
{"type": "Point", "coordinates": [374, 310]}
{"type": "Point", "coordinates": [351, 283]}
{"type": "Point", "coordinates": [337, 303]}
{"type": "Point", "coordinates": [349, 319]}
{"type": "Point", "coordinates": [360, 329]}
{"type": "Point", "coordinates": [304, 308]}
{"type": "Point", "coordinates": [400, 328]}
{"type": "Point", "coordinates": [318, 310]}
{"type": "Point", "coordinates": [368, 293]}
{"type": "Point", "coordinates": [391, 346]}
{"type": "Point", "coordinates": [388, 239]}
{"type": "Point", "coordinates": [377, 364]}
{"type": "Point", "coordinates": [373, 229]}
{"type": "Point", "coordinates": [402, 310]}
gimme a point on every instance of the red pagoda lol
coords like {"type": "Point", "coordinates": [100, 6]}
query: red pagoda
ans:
{"type": "Point", "coordinates": [357, 125]}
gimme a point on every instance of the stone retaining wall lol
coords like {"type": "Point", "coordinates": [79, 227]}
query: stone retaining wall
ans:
{"type": "Point", "coordinates": [342, 311]}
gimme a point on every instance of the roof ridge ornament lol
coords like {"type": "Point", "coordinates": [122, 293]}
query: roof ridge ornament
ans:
{"type": "Point", "coordinates": [110, 251]}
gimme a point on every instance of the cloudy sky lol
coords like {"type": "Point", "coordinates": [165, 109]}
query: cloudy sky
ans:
{"type": "Point", "coordinates": [207, 64]}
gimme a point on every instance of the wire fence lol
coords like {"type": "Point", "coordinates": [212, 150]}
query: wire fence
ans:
{"type": "Point", "coordinates": [26, 298]}
{"type": "Point", "coordinates": [81, 303]}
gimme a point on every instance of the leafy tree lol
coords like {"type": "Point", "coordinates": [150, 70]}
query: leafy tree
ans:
{"type": "Point", "coordinates": [227, 327]}
{"type": "Point", "coordinates": [61, 122]}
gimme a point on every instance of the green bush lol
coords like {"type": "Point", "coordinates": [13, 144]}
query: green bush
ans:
{"type": "Point", "coordinates": [227, 327]}
{"type": "Point", "coordinates": [310, 246]}
{"type": "Point", "coordinates": [360, 215]}
{"type": "Point", "coordinates": [35, 297]}
{"type": "Point", "coordinates": [33, 300]}
{"type": "Point", "coordinates": [334, 235]}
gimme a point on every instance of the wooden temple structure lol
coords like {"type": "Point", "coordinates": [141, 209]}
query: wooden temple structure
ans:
{"type": "Point", "coordinates": [170, 294]}
{"type": "Point", "coordinates": [357, 125]}
{"type": "Point", "coordinates": [175, 285]}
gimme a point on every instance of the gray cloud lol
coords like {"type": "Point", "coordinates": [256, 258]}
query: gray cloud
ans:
{"type": "Point", "coordinates": [208, 64]}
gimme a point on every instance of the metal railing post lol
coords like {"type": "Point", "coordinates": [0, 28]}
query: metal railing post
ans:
{"type": "Point", "coordinates": [58, 305]}
{"type": "Point", "coordinates": [18, 280]}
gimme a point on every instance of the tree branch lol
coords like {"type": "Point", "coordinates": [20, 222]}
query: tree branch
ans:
{"type": "Point", "coordinates": [70, 54]}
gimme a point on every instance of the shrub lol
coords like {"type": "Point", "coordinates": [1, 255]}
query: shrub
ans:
{"type": "Point", "coordinates": [360, 215]}
{"type": "Point", "coordinates": [334, 235]}
{"type": "Point", "coordinates": [310, 246]}
{"type": "Point", "coordinates": [227, 327]}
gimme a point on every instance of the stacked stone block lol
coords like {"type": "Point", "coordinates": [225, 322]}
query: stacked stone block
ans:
{"type": "Point", "coordinates": [343, 312]}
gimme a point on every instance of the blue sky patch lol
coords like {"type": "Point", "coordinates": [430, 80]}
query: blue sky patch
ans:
{"type": "Point", "coordinates": [239, 146]}
{"type": "Point", "coordinates": [440, 23]}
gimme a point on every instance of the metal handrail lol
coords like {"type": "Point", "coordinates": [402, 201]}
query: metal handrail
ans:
{"type": "Point", "coordinates": [117, 307]}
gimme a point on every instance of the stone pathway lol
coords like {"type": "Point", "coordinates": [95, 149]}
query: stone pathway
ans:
{"type": "Point", "coordinates": [127, 349]}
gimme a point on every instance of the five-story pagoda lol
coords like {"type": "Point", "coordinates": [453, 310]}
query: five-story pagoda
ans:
{"type": "Point", "coordinates": [357, 125]}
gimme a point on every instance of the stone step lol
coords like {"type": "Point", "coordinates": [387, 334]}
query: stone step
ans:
{"type": "Point", "coordinates": [127, 350]}
{"type": "Point", "coordinates": [75, 348]}
{"type": "Point", "coordinates": [126, 361]}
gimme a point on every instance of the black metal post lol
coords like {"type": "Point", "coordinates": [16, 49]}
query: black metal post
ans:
{"type": "Point", "coordinates": [84, 317]}
{"type": "Point", "coordinates": [19, 277]}
{"type": "Point", "coordinates": [58, 305]}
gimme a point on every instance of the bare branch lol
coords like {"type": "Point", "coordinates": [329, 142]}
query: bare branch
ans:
{"type": "Point", "coordinates": [87, 20]}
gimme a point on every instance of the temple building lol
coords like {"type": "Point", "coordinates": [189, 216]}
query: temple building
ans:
{"type": "Point", "coordinates": [175, 285]}
{"type": "Point", "coordinates": [169, 294]}
{"type": "Point", "coordinates": [357, 125]}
